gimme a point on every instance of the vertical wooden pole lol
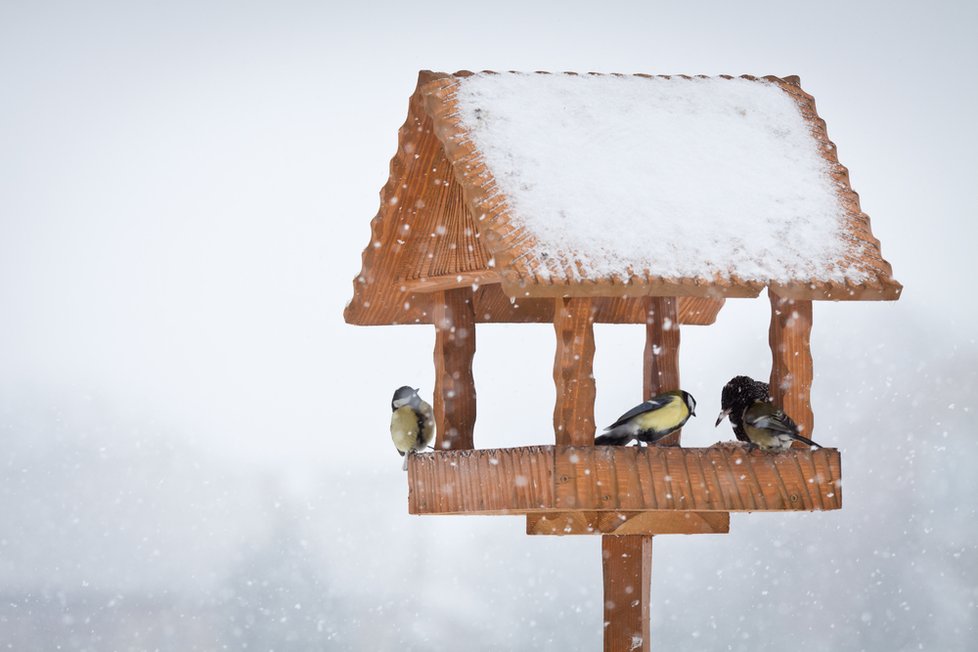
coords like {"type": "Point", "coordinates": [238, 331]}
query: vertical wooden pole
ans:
{"type": "Point", "coordinates": [791, 368]}
{"type": "Point", "coordinates": [573, 372]}
{"type": "Point", "coordinates": [627, 560]}
{"type": "Point", "coordinates": [454, 318]}
{"type": "Point", "coordinates": [661, 369]}
{"type": "Point", "coordinates": [627, 566]}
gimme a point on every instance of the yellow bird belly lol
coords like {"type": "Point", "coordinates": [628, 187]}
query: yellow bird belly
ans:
{"type": "Point", "coordinates": [404, 429]}
{"type": "Point", "coordinates": [665, 418]}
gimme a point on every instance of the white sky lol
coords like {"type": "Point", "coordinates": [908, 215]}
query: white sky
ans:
{"type": "Point", "coordinates": [185, 190]}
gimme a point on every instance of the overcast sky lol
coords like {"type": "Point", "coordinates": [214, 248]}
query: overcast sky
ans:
{"type": "Point", "coordinates": [186, 188]}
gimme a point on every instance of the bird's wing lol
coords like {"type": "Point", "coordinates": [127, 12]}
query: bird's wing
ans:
{"type": "Point", "coordinates": [654, 403]}
{"type": "Point", "coordinates": [777, 422]}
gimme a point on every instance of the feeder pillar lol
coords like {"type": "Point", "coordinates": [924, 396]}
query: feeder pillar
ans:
{"type": "Point", "coordinates": [627, 566]}
{"type": "Point", "coordinates": [791, 354]}
{"type": "Point", "coordinates": [661, 369]}
{"type": "Point", "coordinates": [573, 372]}
{"type": "Point", "coordinates": [454, 397]}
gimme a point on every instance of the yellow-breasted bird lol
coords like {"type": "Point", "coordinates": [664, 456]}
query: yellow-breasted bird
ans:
{"type": "Point", "coordinates": [771, 429]}
{"type": "Point", "coordinates": [650, 421]}
{"type": "Point", "coordinates": [412, 422]}
{"type": "Point", "coordinates": [737, 396]}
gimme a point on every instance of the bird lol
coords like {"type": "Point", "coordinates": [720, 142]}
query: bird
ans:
{"type": "Point", "coordinates": [650, 421]}
{"type": "Point", "coordinates": [412, 422]}
{"type": "Point", "coordinates": [770, 429]}
{"type": "Point", "coordinates": [737, 396]}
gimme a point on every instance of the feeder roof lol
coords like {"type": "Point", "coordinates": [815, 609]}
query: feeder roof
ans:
{"type": "Point", "coordinates": [544, 185]}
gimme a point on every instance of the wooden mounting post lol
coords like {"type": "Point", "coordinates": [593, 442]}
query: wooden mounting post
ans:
{"type": "Point", "coordinates": [791, 368]}
{"type": "Point", "coordinates": [661, 369]}
{"type": "Point", "coordinates": [454, 319]}
{"type": "Point", "coordinates": [627, 566]}
{"type": "Point", "coordinates": [573, 372]}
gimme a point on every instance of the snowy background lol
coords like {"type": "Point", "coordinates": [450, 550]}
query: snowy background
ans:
{"type": "Point", "coordinates": [193, 445]}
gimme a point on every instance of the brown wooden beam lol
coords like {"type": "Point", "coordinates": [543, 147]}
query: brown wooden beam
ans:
{"type": "Point", "coordinates": [627, 568]}
{"type": "Point", "coordinates": [722, 478]}
{"type": "Point", "coordinates": [791, 368]}
{"type": "Point", "coordinates": [573, 372]}
{"type": "Point", "coordinates": [661, 368]}
{"type": "Point", "coordinates": [454, 399]}
{"type": "Point", "coordinates": [622, 523]}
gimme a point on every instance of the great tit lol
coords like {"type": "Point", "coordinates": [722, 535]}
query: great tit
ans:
{"type": "Point", "coordinates": [412, 422]}
{"type": "Point", "coordinates": [650, 421]}
{"type": "Point", "coordinates": [770, 428]}
{"type": "Point", "coordinates": [737, 396]}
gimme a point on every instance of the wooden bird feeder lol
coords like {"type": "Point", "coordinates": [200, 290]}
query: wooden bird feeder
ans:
{"type": "Point", "coordinates": [456, 243]}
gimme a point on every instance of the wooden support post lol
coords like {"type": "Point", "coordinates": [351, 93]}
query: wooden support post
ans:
{"type": "Point", "coordinates": [454, 399]}
{"type": "Point", "coordinates": [627, 566]}
{"type": "Point", "coordinates": [661, 369]}
{"type": "Point", "coordinates": [791, 368]}
{"type": "Point", "coordinates": [573, 372]}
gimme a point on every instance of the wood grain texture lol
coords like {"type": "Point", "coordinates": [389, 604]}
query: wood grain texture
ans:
{"type": "Point", "coordinates": [454, 397]}
{"type": "Point", "coordinates": [722, 478]}
{"type": "Point", "coordinates": [626, 563]}
{"type": "Point", "coordinates": [573, 372]}
{"type": "Point", "coordinates": [622, 523]}
{"type": "Point", "coordinates": [791, 360]}
{"type": "Point", "coordinates": [422, 228]}
{"type": "Point", "coordinates": [485, 481]}
{"type": "Point", "coordinates": [661, 367]}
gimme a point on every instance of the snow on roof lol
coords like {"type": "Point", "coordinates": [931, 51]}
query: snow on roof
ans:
{"type": "Point", "coordinates": [620, 179]}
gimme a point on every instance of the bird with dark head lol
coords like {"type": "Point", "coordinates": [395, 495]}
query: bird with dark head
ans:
{"type": "Point", "coordinates": [650, 421]}
{"type": "Point", "coordinates": [770, 428]}
{"type": "Point", "coordinates": [412, 422]}
{"type": "Point", "coordinates": [737, 395]}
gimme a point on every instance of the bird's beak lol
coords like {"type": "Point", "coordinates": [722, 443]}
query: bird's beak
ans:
{"type": "Point", "coordinates": [723, 415]}
{"type": "Point", "coordinates": [692, 413]}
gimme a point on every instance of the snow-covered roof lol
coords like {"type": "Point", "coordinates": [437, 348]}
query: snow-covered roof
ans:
{"type": "Point", "coordinates": [529, 186]}
{"type": "Point", "coordinates": [713, 186]}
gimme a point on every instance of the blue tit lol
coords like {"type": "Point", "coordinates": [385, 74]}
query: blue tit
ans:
{"type": "Point", "coordinates": [651, 421]}
{"type": "Point", "coordinates": [771, 429]}
{"type": "Point", "coordinates": [412, 422]}
{"type": "Point", "coordinates": [737, 396]}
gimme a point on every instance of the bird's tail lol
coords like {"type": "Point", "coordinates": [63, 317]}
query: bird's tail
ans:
{"type": "Point", "coordinates": [608, 440]}
{"type": "Point", "coordinates": [806, 441]}
{"type": "Point", "coordinates": [404, 466]}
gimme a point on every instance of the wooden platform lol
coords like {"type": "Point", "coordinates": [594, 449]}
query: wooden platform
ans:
{"type": "Point", "coordinates": [542, 479]}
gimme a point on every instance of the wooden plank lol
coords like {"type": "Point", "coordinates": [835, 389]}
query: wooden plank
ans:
{"type": "Point", "coordinates": [791, 354]}
{"type": "Point", "coordinates": [661, 367]}
{"type": "Point", "coordinates": [573, 372]}
{"type": "Point", "coordinates": [627, 569]}
{"type": "Point", "coordinates": [622, 523]}
{"type": "Point", "coordinates": [450, 281]}
{"type": "Point", "coordinates": [722, 478]}
{"type": "Point", "coordinates": [454, 396]}
{"type": "Point", "coordinates": [725, 477]}
{"type": "Point", "coordinates": [409, 301]}
{"type": "Point", "coordinates": [484, 481]}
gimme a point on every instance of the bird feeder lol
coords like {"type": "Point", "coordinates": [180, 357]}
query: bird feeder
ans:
{"type": "Point", "coordinates": [581, 199]}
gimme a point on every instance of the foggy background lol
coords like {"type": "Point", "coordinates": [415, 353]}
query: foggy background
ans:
{"type": "Point", "coordinates": [194, 451]}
